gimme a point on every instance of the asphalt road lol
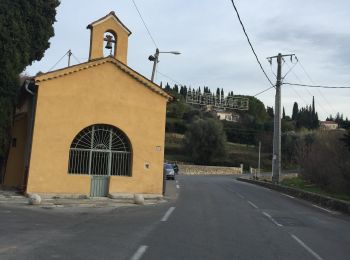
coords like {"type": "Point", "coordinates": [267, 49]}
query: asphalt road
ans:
{"type": "Point", "coordinates": [211, 218]}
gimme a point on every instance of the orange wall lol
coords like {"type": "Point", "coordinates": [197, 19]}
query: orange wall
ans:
{"type": "Point", "coordinates": [99, 95]}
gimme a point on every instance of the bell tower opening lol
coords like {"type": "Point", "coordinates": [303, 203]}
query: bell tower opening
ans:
{"type": "Point", "coordinates": [109, 37]}
{"type": "Point", "coordinates": [109, 44]}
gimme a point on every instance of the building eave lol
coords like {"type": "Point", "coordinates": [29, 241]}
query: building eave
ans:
{"type": "Point", "coordinates": [97, 62]}
{"type": "Point", "coordinates": [108, 16]}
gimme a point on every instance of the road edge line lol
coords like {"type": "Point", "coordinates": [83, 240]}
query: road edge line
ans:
{"type": "Point", "coordinates": [312, 252]}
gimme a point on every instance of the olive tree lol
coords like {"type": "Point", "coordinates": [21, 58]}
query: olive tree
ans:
{"type": "Point", "coordinates": [205, 140]}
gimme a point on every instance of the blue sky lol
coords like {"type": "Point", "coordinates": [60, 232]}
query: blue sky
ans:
{"type": "Point", "coordinates": [214, 50]}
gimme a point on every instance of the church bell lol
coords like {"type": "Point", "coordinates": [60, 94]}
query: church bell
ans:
{"type": "Point", "coordinates": [110, 41]}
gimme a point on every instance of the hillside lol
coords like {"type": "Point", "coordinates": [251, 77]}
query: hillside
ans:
{"type": "Point", "coordinates": [242, 129]}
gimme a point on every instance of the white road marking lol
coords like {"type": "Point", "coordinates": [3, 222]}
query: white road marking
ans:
{"type": "Point", "coordinates": [177, 186]}
{"type": "Point", "coordinates": [139, 253]}
{"type": "Point", "coordinates": [177, 181]}
{"type": "Point", "coordinates": [252, 204]}
{"type": "Point", "coordinates": [240, 195]}
{"type": "Point", "coordinates": [329, 211]}
{"type": "Point", "coordinates": [167, 214]}
{"type": "Point", "coordinates": [271, 218]}
{"type": "Point", "coordinates": [306, 247]}
{"type": "Point", "coordinates": [288, 196]}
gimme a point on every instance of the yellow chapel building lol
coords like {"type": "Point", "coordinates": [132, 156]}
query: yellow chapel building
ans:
{"type": "Point", "coordinates": [94, 129]}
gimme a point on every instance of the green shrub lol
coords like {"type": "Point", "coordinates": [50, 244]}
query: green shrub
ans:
{"type": "Point", "coordinates": [205, 140]}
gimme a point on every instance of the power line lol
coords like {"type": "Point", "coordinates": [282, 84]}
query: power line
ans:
{"type": "Point", "coordinates": [297, 93]}
{"type": "Point", "coordinates": [263, 91]}
{"type": "Point", "coordinates": [250, 44]}
{"type": "Point", "coordinates": [308, 91]}
{"type": "Point", "coordinates": [76, 58]}
{"type": "Point", "coordinates": [290, 69]}
{"type": "Point", "coordinates": [319, 91]}
{"type": "Point", "coordinates": [59, 61]}
{"type": "Point", "coordinates": [168, 77]}
{"type": "Point", "coordinates": [144, 23]}
{"type": "Point", "coordinates": [314, 86]}
{"type": "Point", "coordinates": [301, 97]}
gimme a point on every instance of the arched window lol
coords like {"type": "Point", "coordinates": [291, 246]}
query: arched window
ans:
{"type": "Point", "coordinates": [100, 150]}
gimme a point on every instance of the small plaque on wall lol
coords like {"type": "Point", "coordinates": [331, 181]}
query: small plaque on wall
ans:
{"type": "Point", "coordinates": [158, 148]}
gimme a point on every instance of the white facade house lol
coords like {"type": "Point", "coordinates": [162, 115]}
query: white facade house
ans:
{"type": "Point", "coordinates": [228, 116]}
{"type": "Point", "coordinates": [328, 125]}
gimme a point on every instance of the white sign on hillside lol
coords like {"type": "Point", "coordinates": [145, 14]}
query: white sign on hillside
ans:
{"type": "Point", "coordinates": [208, 99]}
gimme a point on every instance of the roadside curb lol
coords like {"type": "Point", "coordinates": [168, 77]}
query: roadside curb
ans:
{"type": "Point", "coordinates": [324, 201]}
{"type": "Point", "coordinates": [13, 198]}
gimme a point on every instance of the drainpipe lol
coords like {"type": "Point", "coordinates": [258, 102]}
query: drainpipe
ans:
{"type": "Point", "coordinates": [26, 86]}
{"type": "Point", "coordinates": [31, 113]}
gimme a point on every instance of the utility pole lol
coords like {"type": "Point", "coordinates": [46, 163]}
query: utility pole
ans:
{"type": "Point", "coordinates": [69, 55]}
{"type": "Point", "coordinates": [155, 59]}
{"type": "Point", "coordinates": [276, 156]}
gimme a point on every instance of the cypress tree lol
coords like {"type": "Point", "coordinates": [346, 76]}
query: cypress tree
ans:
{"type": "Point", "coordinates": [25, 30]}
{"type": "Point", "coordinates": [295, 111]}
{"type": "Point", "coordinates": [167, 86]}
{"type": "Point", "coordinates": [222, 96]}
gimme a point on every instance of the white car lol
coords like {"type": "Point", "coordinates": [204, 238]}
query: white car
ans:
{"type": "Point", "coordinates": [168, 171]}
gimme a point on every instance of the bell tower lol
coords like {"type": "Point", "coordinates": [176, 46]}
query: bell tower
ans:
{"type": "Point", "coordinates": [109, 32]}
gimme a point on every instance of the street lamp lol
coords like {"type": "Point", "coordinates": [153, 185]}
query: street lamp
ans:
{"type": "Point", "coordinates": [155, 59]}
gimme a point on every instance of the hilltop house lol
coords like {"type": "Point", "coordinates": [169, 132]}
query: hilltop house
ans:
{"type": "Point", "coordinates": [227, 116]}
{"type": "Point", "coordinates": [328, 125]}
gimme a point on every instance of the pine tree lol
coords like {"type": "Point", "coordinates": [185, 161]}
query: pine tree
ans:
{"type": "Point", "coordinates": [284, 114]}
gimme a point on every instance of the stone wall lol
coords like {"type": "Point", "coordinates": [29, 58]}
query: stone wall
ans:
{"type": "Point", "coordinates": [255, 175]}
{"type": "Point", "coordinates": [185, 169]}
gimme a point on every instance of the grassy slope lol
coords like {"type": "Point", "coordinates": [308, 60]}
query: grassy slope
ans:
{"type": "Point", "coordinates": [304, 185]}
{"type": "Point", "coordinates": [237, 153]}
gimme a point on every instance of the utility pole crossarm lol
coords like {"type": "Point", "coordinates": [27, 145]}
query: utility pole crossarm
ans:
{"type": "Point", "coordinates": [282, 55]}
